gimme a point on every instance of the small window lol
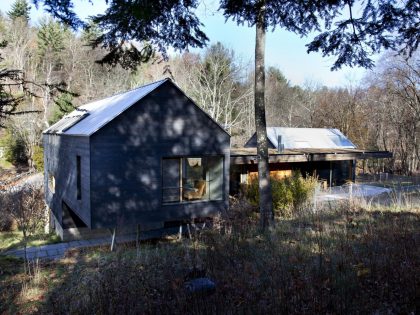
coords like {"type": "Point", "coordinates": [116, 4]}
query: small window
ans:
{"type": "Point", "coordinates": [79, 178]}
{"type": "Point", "coordinates": [51, 182]}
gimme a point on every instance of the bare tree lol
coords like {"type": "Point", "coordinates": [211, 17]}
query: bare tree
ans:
{"type": "Point", "coordinates": [26, 206]}
{"type": "Point", "coordinates": [395, 97]}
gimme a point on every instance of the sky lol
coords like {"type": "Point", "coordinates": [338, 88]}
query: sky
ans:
{"type": "Point", "coordinates": [284, 50]}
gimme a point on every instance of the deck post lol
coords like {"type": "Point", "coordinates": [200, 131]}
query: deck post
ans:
{"type": "Point", "coordinates": [138, 241]}
{"type": "Point", "coordinates": [180, 232]}
{"type": "Point", "coordinates": [113, 231]}
{"type": "Point", "coordinates": [364, 164]}
{"type": "Point", "coordinates": [330, 175]}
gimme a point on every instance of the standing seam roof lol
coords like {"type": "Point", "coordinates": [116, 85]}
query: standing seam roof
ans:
{"type": "Point", "coordinates": [87, 119]}
{"type": "Point", "coordinates": [300, 138]}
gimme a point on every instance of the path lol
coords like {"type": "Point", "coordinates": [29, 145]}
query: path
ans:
{"type": "Point", "coordinates": [57, 251]}
{"type": "Point", "coordinates": [357, 190]}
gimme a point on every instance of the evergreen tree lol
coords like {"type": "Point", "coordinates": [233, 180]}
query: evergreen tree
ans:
{"type": "Point", "coordinates": [8, 101]}
{"type": "Point", "coordinates": [50, 38]}
{"type": "Point", "coordinates": [63, 106]}
{"type": "Point", "coordinates": [91, 33]}
{"type": "Point", "coordinates": [20, 9]}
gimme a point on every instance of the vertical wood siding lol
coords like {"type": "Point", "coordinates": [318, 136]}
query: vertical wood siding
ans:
{"type": "Point", "coordinates": [60, 153]}
{"type": "Point", "coordinates": [126, 157]}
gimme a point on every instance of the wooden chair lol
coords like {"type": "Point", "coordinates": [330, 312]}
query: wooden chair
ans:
{"type": "Point", "coordinates": [197, 193]}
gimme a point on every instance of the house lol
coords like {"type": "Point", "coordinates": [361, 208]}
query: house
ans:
{"type": "Point", "coordinates": [149, 156]}
{"type": "Point", "coordinates": [322, 152]}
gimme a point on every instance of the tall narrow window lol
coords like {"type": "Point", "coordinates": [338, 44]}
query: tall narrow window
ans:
{"type": "Point", "coordinates": [79, 178]}
{"type": "Point", "coordinates": [51, 182]}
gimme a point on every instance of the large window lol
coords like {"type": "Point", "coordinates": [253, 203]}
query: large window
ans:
{"type": "Point", "coordinates": [192, 179]}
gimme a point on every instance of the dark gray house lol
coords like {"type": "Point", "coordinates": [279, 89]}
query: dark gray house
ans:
{"type": "Point", "coordinates": [148, 156]}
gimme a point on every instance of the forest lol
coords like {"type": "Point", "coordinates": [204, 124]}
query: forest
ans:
{"type": "Point", "coordinates": [57, 70]}
{"type": "Point", "coordinates": [306, 249]}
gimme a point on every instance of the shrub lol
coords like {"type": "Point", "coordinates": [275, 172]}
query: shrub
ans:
{"type": "Point", "coordinates": [302, 190]}
{"type": "Point", "coordinates": [6, 222]}
{"type": "Point", "coordinates": [290, 194]}
{"type": "Point", "coordinates": [14, 146]}
{"type": "Point", "coordinates": [38, 158]}
{"type": "Point", "coordinates": [25, 205]}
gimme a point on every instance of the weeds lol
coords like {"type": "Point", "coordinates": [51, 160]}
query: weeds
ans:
{"type": "Point", "coordinates": [337, 260]}
{"type": "Point", "coordinates": [325, 262]}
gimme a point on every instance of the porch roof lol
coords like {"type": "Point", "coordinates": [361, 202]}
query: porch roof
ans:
{"type": "Point", "coordinates": [249, 155]}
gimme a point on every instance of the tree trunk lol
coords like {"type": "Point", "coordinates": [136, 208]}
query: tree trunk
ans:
{"type": "Point", "coordinates": [266, 203]}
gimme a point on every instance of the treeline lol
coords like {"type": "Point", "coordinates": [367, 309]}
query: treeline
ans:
{"type": "Point", "coordinates": [61, 73]}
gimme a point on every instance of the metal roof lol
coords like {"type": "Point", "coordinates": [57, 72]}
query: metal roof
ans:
{"type": "Point", "coordinates": [301, 138]}
{"type": "Point", "coordinates": [87, 119]}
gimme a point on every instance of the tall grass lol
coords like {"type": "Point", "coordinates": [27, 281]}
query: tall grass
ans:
{"type": "Point", "coordinates": [335, 261]}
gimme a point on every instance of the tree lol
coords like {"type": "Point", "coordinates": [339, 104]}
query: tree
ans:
{"type": "Point", "coordinates": [50, 40]}
{"type": "Point", "coordinates": [20, 9]}
{"type": "Point", "coordinates": [212, 80]}
{"type": "Point", "coordinates": [9, 78]}
{"type": "Point", "coordinates": [381, 25]}
{"type": "Point", "coordinates": [63, 106]}
{"type": "Point", "coordinates": [393, 100]}
{"type": "Point", "coordinates": [161, 23]}
{"type": "Point", "coordinates": [26, 206]}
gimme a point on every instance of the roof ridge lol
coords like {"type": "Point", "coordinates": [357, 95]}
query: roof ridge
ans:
{"type": "Point", "coordinates": [97, 106]}
{"type": "Point", "coordinates": [141, 86]}
{"type": "Point", "coordinates": [122, 92]}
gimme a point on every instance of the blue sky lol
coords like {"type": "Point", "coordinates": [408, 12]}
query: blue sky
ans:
{"type": "Point", "coordinates": [284, 50]}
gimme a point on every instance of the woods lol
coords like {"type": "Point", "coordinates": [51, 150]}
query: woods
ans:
{"type": "Point", "coordinates": [60, 73]}
{"type": "Point", "coordinates": [149, 171]}
{"type": "Point", "coordinates": [130, 44]}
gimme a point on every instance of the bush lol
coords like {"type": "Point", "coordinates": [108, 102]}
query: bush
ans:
{"type": "Point", "coordinates": [25, 205]}
{"type": "Point", "coordinates": [15, 150]}
{"type": "Point", "coordinates": [290, 194]}
{"type": "Point", "coordinates": [302, 190]}
{"type": "Point", "coordinates": [38, 158]}
{"type": "Point", "coordinates": [6, 222]}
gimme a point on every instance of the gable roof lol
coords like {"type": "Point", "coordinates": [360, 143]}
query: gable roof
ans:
{"type": "Point", "coordinates": [87, 119]}
{"type": "Point", "coordinates": [301, 138]}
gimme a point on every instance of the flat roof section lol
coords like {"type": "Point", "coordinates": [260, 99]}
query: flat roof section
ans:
{"type": "Point", "coordinates": [240, 156]}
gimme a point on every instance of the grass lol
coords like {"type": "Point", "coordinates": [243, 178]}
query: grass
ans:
{"type": "Point", "coordinates": [14, 239]}
{"type": "Point", "coordinates": [335, 261]}
{"type": "Point", "coordinates": [5, 164]}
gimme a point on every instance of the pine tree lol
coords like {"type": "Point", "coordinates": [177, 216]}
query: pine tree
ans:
{"type": "Point", "coordinates": [50, 38]}
{"type": "Point", "coordinates": [63, 106]}
{"type": "Point", "coordinates": [20, 9]}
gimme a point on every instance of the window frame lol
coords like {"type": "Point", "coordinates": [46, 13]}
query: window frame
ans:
{"type": "Point", "coordinates": [51, 182]}
{"type": "Point", "coordinates": [181, 158]}
{"type": "Point", "coordinates": [78, 177]}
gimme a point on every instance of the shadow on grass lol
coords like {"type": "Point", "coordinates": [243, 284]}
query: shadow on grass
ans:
{"type": "Point", "coordinates": [14, 240]}
{"type": "Point", "coordinates": [331, 262]}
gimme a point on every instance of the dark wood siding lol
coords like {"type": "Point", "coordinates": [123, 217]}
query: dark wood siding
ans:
{"type": "Point", "coordinates": [60, 158]}
{"type": "Point", "coordinates": [126, 157]}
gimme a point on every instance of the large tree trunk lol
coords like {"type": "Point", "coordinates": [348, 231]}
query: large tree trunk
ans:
{"type": "Point", "coordinates": [266, 203]}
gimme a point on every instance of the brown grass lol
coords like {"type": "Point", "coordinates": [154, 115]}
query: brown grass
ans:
{"type": "Point", "coordinates": [335, 261]}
